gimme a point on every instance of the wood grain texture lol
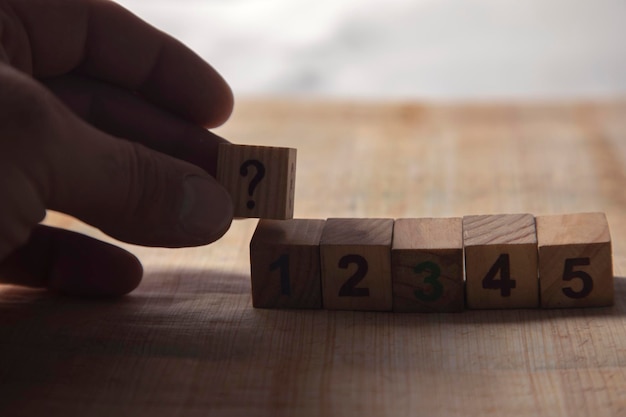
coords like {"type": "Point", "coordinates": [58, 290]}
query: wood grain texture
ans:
{"type": "Point", "coordinates": [427, 265]}
{"type": "Point", "coordinates": [189, 343]}
{"type": "Point", "coordinates": [501, 261]}
{"type": "Point", "coordinates": [260, 179]}
{"type": "Point", "coordinates": [356, 264]}
{"type": "Point", "coordinates": [290, 247]}
{"type": "Point", "coordinates": [575, 261]}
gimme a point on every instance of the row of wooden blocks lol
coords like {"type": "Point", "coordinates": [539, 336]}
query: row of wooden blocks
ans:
{"type": "Point", "coordinates": [433, 265]}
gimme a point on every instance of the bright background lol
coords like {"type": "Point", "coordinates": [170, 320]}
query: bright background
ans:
{"type": "Point", "coordinates": [405, 49]}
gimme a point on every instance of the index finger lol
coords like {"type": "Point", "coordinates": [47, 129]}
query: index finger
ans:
{"type": "Point", "coordinates": [106, 41]}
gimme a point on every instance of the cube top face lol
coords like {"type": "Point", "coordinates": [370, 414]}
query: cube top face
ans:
{"type": "Point", "coordinates": [294, 232]}
{"type": "Point", "coordinates": [358, 232]}
{"type": "Point", "coordinates": [570, 229]}
{"type": "Point", "coordinates": [259, 179]}
{"type": "Point", "coordinates": [497, 229]}
{"type": "Point", "coordinates": [428, 233]}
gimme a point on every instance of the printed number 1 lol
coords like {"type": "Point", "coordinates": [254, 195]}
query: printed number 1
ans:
{"type": "Point", "coordinates": [282, 263]}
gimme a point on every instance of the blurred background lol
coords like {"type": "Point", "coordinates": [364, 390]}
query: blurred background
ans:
{"type": "Point", "coordinates": [478, 50]}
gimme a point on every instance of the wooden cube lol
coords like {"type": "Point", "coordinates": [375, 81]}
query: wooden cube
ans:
{"type": "Point", "coordinates": [285, 264]}
{"type": "Point", "coordinates": [575, 262]}
{"type": "Point", "coordinates": [356, 264]}
{"type": "Point", "coordinates": [260, 179]}
{"type": "Point", "coordinates": [427, 265]}
{"type": "Point", "coordinates": [501, 261]}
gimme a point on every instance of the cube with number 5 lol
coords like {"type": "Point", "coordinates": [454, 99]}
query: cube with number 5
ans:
{"type": "Point", "coordinates": [575, 262]}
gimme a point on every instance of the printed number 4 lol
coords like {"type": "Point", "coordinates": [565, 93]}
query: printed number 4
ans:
{"type": "Point", "coordinates": [505, 284]}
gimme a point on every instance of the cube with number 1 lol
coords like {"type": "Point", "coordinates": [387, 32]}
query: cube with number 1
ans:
{"type": "Point", "coordinates": [285, 264]}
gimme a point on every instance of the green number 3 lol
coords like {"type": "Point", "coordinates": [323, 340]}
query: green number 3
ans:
{"type": "Point", "coordinates": [436, 287]}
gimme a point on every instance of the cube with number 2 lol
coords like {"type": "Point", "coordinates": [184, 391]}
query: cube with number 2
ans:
{"type": "Point", "coordinates": [356, 264]}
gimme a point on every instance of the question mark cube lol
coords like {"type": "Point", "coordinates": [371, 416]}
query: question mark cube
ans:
{"type": "Point", "coordinates": [501, 261]}
{"type": "Point", "coordinates": [356, 264]}
{"type": "Point", "coordinates": [427, 265]}
{"type": "Point", "coordinates": [575, 261]}
{"type": "Point", "coordinates": [285, 264]}
{"type": "Point", "coordinates": [260, 179]}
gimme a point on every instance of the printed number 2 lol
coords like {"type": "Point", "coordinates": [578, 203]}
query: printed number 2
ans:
{"type": "Point", "coordinates": [348, 289]}
{"type": "Point", "coordinates": [505, 283]}
{"type": "Point", "coordinates": [282, 264]}
{"type": "Point", "coordinates": [436, 288]}
{"type": "Point", "coordinates": [569, 274]}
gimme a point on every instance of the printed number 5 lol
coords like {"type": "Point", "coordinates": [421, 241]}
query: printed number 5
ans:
{"type": "Point", "coordinates": [569, 274]}
{"type": "Point", "coordinates": [436, 288]}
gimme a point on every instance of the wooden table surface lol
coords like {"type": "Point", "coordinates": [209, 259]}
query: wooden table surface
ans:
{"type": "Point", "coordinates": [187, 342]}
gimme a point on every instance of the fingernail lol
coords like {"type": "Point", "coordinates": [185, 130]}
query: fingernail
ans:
{"type": "Point", "coordinates": [206, 210]}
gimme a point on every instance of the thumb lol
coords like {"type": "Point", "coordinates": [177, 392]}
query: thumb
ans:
{"type": "Point", "coordinates": [129, 191]}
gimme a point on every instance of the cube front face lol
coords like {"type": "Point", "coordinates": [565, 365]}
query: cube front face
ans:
{"type": "Point", "coordinates": [285, 264]}
{"type": "Point", "coordinates": [259, 179]}
{"type": "Point", "coordinates": [576, 276]}
{"type": "Point", "coordinates": [428, 281]}
{"type": "Point", "coordinates": [356, 264]}
{"type": "Point", "coordinates": [501, 276]}
{"type": "Point", "coordinates": [575, 261]}
{"type": "Point", "coordinates": [501, 261]}
{"type": "Point", "coordinates": [427, 266]}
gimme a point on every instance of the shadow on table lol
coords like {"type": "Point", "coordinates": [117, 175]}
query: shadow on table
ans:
{"type": "Point", "coordinates": [182, 314]}
{"type": "Point", "coordinates": [208, 314]}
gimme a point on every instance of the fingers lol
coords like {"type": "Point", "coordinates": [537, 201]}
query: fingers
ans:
{"type": "Point", "coordinates": [127, 190]}
{"type": "Point", "coordinates": [104, 40]}
{"type": "Point", "coordinates": [71, 263]}
{"type": "Point", "coordinates": [126, 115]}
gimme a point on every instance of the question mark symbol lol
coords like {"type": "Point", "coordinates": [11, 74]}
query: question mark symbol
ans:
{"type": "Point", "coordinates": [260, 173]}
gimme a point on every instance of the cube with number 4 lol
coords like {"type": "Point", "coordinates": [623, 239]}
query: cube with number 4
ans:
{"type": "Point", "coordinates": [285, 264]}
{"type": "Point", "coordinates": [501, 261]}
{"type": "Point", "coordinates": [575, 265]}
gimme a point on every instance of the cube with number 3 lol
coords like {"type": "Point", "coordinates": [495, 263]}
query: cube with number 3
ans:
{"type": "Point", "coordinates": [427, 265]}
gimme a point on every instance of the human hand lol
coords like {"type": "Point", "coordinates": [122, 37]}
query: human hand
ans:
{"type": "Point", "coordinates": [102, 117]}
